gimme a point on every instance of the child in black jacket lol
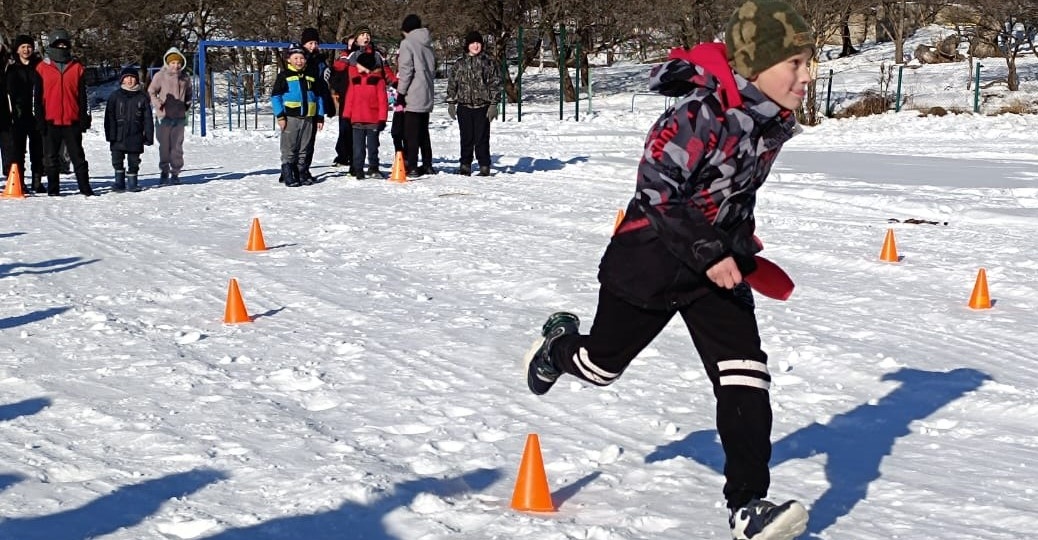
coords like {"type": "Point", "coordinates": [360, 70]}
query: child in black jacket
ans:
{"type": "Point", "coordinates": [129, 127]}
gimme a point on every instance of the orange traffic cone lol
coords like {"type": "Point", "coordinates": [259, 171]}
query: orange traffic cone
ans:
{"type": "Point", "coordinates": [980, 299]}
{"type": "Point", "coordinates": [255, 242]}
{"type": "Point", "coordinates": [399, 171]}
{"type": "Point", "coordinates": [531, 487]}
{"type": "Point", "coordinates": [619, 219]}
{"type": "Point", "coordinates": [235, 312]}
{"type": "Point", "coordinates": [889, 252]}
{"type": "Point", "coordinates": [13, 189]}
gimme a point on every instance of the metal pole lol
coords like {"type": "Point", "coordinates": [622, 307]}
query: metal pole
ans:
{"type": "Point", "coordinates": [900, 73]}
{"type": "Point", "coordinates": [576, 81]}
{"type": "Point", "coordinates": [829, 95]}
{"type": "Point", "coordinates": [976, 91]}
{"type": "Point", "coordinates": [562, 69]}
{"type": "Point", "coordinates": [201, 85]}
{"type": "Point", "coordinates": [519, 77]}
{"type": "Point", "coordinates": [503, 98]}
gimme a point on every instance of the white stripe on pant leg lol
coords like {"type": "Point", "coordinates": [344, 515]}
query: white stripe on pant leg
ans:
{"type": "Point", "coordinates": [750, 365]}
{"type": "Point", "coordinates": [743, 380]}
{"type": "Point", "coordinates": [590, 371]}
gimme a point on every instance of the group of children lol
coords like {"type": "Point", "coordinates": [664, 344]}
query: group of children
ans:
{"type": "Point", "coordinates": [302, 95]}
{"type": "Point", "coordinates": [48, 113]}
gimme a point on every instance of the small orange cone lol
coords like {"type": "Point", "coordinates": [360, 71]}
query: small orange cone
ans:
{"type": "Point", "coordinates": [889, 253]}
{"type": "Point", "coordinates": [980, 299]}
{"type": "Point", "coordinates": [235, 312]}
{"type": "Point", "coordinates": [399, 171]}
{"type": "Point", "coordinates": [255, 242]}
{"type": "Point", "coordinates": [13, 189]}
{"type": "Point", "coordinates": [619, 220]}
{"type": "Point", "coordinates": [531, 486]}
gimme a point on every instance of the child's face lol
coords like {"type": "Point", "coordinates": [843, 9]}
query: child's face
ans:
{"type": "Point", "coordinates": [363, 39]}
{"type": "Point", "coordinates": [174, 64]}
{"type": "Point", "coordinates": [786, 82]}
{"type": "Point", "coordinates": [129, 82]}
{"type": "Point", "coordinates": [475, 47]}
{"type": "Point", "coordinates": [310, 46]}
{"type": "Point", "coordinates": [297, 60]}
{"type": "Point", "coordinates": [25, 51]}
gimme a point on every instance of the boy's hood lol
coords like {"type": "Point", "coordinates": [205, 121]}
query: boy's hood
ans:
{"type": "Point", "coordinates": [176, 51]}
{"type": "Point", "coordinates": [706, 66]}
{"type": "Point", "coordinates": [420, 36]}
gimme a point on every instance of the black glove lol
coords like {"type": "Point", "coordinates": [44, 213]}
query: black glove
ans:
{"type": "Point", "coordinates": [84, 125]}
{"type": "Point", "coordinates": [381, 126]}
{"type": "Point", "coordinates": [492, 113]}
{"type": "Point", "coordinates": [452, 110]}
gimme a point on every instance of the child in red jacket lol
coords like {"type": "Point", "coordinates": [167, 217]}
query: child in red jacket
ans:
{"type": "Point", "coordinates": [367, 109]}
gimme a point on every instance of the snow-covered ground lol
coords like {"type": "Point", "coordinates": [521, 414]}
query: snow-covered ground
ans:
{"type": "Point", "coordinates": [377, 395]}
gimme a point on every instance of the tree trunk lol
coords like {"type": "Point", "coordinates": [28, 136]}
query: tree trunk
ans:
{"type": "Point", "coordinates": [845, 36]}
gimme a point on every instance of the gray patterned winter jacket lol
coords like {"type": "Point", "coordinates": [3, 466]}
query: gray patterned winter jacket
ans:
{"type": "Point", "coordinates": [697, 185]}
{"type": "Point", "coordinates": [475, 81]}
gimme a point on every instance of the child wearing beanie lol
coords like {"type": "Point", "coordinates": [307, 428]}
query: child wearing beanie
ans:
{"type": "Point", "coordinates": [686, 245]}
{"type": "Point", "coordinates": [129, 127]}
{"type": "Point", "coordinates": [473, 89]}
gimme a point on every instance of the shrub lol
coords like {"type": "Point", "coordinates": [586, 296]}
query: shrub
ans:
{"type": "Point", "coordinates": [870, 103]}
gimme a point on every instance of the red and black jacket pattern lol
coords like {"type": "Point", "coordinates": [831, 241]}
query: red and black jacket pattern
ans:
{"type": "Point", "coordinates": [703, 162]}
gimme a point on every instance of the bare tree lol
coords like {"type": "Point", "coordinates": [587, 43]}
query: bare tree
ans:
{"type": "Point", "coordinates": [1013, 24]}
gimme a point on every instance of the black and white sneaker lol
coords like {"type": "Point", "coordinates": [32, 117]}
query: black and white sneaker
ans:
{"type": "Point", "coordinates": [763, 520]}
{"type": "Point", "coordinates": [541, 372]}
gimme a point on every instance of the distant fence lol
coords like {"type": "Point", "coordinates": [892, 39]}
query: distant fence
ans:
{"type": "Point", "coordinates": [930, 88]}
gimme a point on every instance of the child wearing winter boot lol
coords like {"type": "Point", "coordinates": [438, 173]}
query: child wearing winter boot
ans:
{"type": "Point", "coordinates": [129, 127]}
{"type": "Point", "coordinates": [367, 108]}
{"type": "Point", "coordinates": [296, 103]}
{"type": "Point", "coordinates": [687, 241]}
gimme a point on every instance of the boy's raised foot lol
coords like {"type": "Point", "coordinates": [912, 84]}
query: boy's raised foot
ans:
{"type": "Point", "coordinates": [541, 372]}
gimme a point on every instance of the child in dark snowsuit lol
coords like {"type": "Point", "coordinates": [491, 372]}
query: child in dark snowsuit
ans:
{"type": "Point", "coordinates": [687, 242]}
{"type": "Point", "coordinates": [129, 127]}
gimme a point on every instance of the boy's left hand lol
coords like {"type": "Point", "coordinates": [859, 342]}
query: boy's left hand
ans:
{"type": "Point", "coordinates": [725, 274]}
{"type": "Point", "coordinates": [282, 123]}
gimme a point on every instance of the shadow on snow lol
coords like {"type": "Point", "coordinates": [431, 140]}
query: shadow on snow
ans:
{"type": "Point", "coordinates": [23, 408]}
{"type": "Point", "coordinates": [354, 520]}
{"type": "Point", "coordinates": [11, 322]}
{"type": "Point", "coordinates": [45, 267]}
{"type": "Point", "coordinates": [855, 442]}
{"type": "Point", "coordinates": [124, 507]}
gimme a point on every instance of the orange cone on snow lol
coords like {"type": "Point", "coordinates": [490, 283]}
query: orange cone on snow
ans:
{"type": "Point", "coordinates": [619, 219]}
{"type": "Point", "coordinates": [980, 299]}
{"type": "Point", "coordinates": [255, 242]}
{"type": "Point", "coordinates": [531, 486]}
{"type": "Point", "coordinates": [13, 189]}
{"type": "Point", "coordinates": [235, 312]}
{"type": "Point", "coordinates": [889, 252]}
{"type": "Point", "coordinates": [399, 171]}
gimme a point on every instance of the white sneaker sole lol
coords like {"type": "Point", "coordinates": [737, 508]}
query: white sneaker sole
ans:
{"type": "Point", "coordinates": [791, 524]}
{"type": "Point", "coordinates": [528, 357]}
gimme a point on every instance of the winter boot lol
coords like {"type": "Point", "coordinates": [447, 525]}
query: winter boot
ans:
{"type": "Point", "coordinates": [763, 520]}
{"type": "Point", "coordinates": [373, 172]}
{"type": "Point", "coordinates": [174, 178]}
{"type": "Point", "coordinates": [37, 183]}
{"type": "Point", "coordinates": [541, 372]}
{"type": "Point", "coordinates": [120, 181]}
{"type": "Point", "coordinates": [164, 178]}
{"type": "Point", "coordinates": [131, 182]}
{"type": "Point", "coordinates": [83, 180]}
{"type": "Point", "coordinates": [305, 177]}
{"type": "Point", "coordinates": [484, 170]}
{"type": "Point", "coordinates": [290, 174]}
{"type": "Point", "coordinates": [53, 184]}
{"type": "Point", "coordinates": [465, 169]}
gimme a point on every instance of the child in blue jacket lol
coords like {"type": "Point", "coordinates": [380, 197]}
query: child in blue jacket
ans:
{"type": "Point", "coordinates": [296, 103]}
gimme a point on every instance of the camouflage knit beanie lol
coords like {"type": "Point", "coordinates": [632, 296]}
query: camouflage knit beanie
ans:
{"type": "Point", "coordinates": [762, 33]}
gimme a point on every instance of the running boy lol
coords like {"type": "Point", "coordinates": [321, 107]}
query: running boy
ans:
{"type": "Point", "coordinates": [687, 241]}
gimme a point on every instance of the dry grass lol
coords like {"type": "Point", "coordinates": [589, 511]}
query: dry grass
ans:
{"type": "Point", "coordinates": [871, 103]}
{"type": "Point", "coordinates": [1017, 106]}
